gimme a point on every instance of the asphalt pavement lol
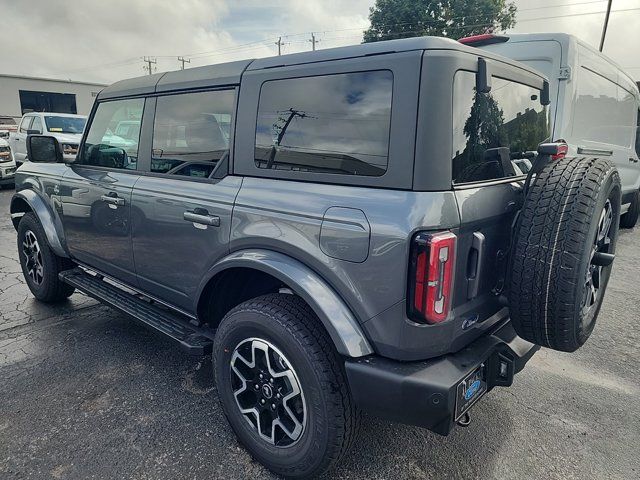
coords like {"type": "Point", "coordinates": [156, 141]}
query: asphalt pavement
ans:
{"type": "Point", "coordinates": [86, 393]}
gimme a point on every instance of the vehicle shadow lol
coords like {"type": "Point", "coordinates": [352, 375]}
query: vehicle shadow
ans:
{"type": "Point", "coordinates": [388, 450]}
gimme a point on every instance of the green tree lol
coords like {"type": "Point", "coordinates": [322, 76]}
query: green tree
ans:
{"type": "Point", "coordinates": [392, 19]}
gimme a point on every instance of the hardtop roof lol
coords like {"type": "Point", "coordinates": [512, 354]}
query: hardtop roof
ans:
{"type": "Point", "coordinates": [230, 73]}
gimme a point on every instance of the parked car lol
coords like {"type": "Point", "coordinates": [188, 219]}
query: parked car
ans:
{"type": "Point", "coordinates": [7, 165]}
{"type": "Point", "coordinates": [7, 125]}
{"type": "Point", "coordinates": [67, 128]}
{"type": "Point", "coordinates": [594, 102]}
{"type": "Point", "coordinates": [362, 238]}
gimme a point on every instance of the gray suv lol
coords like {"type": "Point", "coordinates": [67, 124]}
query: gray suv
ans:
{"type": "Point", "coordinates": [345, 230]}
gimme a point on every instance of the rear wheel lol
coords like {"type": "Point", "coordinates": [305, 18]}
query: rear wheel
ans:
{"type": "Point", "coordinates": [629, 219]}
{"type": "Point", "coordinates": [563, 252]}
{"type": "Point", "coordinates": [282, 386]}
{"type": "Point", "coordinates": [40, 266]}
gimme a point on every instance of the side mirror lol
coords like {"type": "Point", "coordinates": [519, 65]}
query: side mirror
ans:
{"type": "Point", "coordinates": [42, 148]}
{"type": "Point", "coordinates": [545, 98]}
{"type": "Point", "coordinates": [483, 77]}
{"type": "Point", "coordinates": [34, 132]}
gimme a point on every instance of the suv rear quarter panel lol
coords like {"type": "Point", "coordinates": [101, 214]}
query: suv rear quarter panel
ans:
{"type": "Point", "coordinates": [287, 217]}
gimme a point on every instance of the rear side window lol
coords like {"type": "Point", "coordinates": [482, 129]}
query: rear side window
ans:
{"type": "Point", "coordinates": [191, 132]}
{"type": "Point", "coordinates": [604, 112]}
{"type": "Point", "coordinates": [496, 133]}
{"type": "Point", "coordinates": [326, 124]}
{"type": "Point", "coordinates": [106, 144]}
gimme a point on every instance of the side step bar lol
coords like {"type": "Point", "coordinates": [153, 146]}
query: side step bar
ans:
{"type": "Point", "coordinates": [194, 340]}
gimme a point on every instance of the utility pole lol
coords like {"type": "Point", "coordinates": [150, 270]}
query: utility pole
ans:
{"type": "Point", "coordinates": [149, 62]}
{"type": "Point", "coordinates": [292, 113]}
{"type": "Point", "coordinates": [313, 41]}
{"type": "Point", "coordinates": [604, 27]}
{"type": "Point", "coordinates": [182, 60]}
{"type": "Point", "coordinates": [279, 43]}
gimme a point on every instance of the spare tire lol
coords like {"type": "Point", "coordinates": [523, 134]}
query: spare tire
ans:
{"type": "Point", "coordinates": [564, 244]}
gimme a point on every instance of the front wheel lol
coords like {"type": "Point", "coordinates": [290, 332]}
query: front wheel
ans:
{"type": "Point", "coordinates": [40, 266]}
{"type": "Point", "coordinates": [282, 386]}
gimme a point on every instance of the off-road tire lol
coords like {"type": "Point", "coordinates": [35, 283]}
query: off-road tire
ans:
{"type": "Point", "coordinates": [51, 289]}
{"type": "Point", "coordinates": [333, 420]}
{"type": "Point", "coordinates": [552, 251]}
{"type": "Point", "coordinates": [629, 219]}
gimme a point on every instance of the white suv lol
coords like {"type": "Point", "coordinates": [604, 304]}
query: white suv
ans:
{"type": "Point", "coordinates": [67, 128]}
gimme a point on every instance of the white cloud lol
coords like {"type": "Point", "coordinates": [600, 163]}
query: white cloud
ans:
{"type": "Point", "coordinates": [104, 41]}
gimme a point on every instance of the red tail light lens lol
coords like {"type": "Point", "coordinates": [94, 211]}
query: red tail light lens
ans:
{"type": "Point", "coordinates": [431, 276]}
{"type": "Point", "coordinates": [563, 148]}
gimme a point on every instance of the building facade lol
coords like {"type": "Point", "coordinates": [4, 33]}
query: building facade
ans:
{"type": "Point", "coordinates": [20, 95]}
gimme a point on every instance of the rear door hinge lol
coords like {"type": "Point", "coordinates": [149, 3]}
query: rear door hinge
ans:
{"type": "Point", "coordinates": [565, 73]}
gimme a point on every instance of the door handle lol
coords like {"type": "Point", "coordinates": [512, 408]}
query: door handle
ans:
{"type": "Point", "coordinates": [475, 264]}
{"type": "Point", "coordinates": [202, 217]}
{"type": "Point", "coordinates": [634, 160]}
{"type": "Point", "coordinates": [113, 199]}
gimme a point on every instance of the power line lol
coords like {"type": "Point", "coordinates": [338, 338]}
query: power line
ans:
{"type": "Point", "coordinates": [314, 40]}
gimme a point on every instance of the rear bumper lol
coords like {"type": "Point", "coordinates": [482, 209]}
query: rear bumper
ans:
{"type": "Point", "coordinates": [425, 393]}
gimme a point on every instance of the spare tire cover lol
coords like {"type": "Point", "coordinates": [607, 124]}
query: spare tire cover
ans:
{"type": "Point", "coordinates": [564, 244]}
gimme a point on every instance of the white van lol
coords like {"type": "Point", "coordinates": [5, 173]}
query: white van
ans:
{"type": "Point", "coordinates": [594, 103]}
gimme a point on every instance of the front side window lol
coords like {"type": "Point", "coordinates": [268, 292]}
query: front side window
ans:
{"type": "Point", "coordinates": [64, 124]}
{"type": "Point", "coordinates": [24, 125]}
{"type": "Point", "coordinates": [191, 133]}
{"type": "Point", "coordinates": [495, 134]}
{"type": "Point", "coordinates": [36, 125]}
{"type": "Point", "coordinates": [103, 146]}
{"type": "Point", "coordinates": [326, 124]}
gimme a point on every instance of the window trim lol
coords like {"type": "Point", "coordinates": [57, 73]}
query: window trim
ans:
{"type": "Point", "coordinates": [305, 173]}
{"type": "Point", "coordinates": [494, 181]}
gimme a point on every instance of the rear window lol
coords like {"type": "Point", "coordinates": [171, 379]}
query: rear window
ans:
{"type": "Point", "coordinates": [326, 124]}
{"type": "Point", "coordinates": [493, 132]}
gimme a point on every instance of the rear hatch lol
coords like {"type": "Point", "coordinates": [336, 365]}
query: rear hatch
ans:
{"type": "Point", "coordinates": [495, 137]}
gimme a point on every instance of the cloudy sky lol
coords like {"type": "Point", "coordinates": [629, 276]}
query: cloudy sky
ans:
{"type": "Point", "coordinates": [104, 41]}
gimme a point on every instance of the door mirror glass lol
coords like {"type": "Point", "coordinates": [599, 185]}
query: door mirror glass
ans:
{"type": "Point", "coordinates": [42, 148]}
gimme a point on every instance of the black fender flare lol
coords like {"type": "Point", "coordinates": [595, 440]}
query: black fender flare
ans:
{"type": "Point", "coordinates": [50, 223]}
{"type": "Point", "coordinates": [337, 318]}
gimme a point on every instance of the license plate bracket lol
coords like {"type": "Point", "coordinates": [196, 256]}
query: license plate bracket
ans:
{"type": "Point", "coordinates": [470, 390]}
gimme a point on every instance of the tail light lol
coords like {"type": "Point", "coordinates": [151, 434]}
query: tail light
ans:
{"type": "Point", "coordinates": [563, 148]}
{"type": "Point", "coordinates": [431, 276]}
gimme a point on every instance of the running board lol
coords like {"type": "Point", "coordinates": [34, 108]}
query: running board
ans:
{"type": "Point", "coordinates": [194, 340]}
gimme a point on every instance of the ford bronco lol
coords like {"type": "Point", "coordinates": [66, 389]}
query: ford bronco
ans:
{"type": "Point", "coordinates": [345, 230]}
